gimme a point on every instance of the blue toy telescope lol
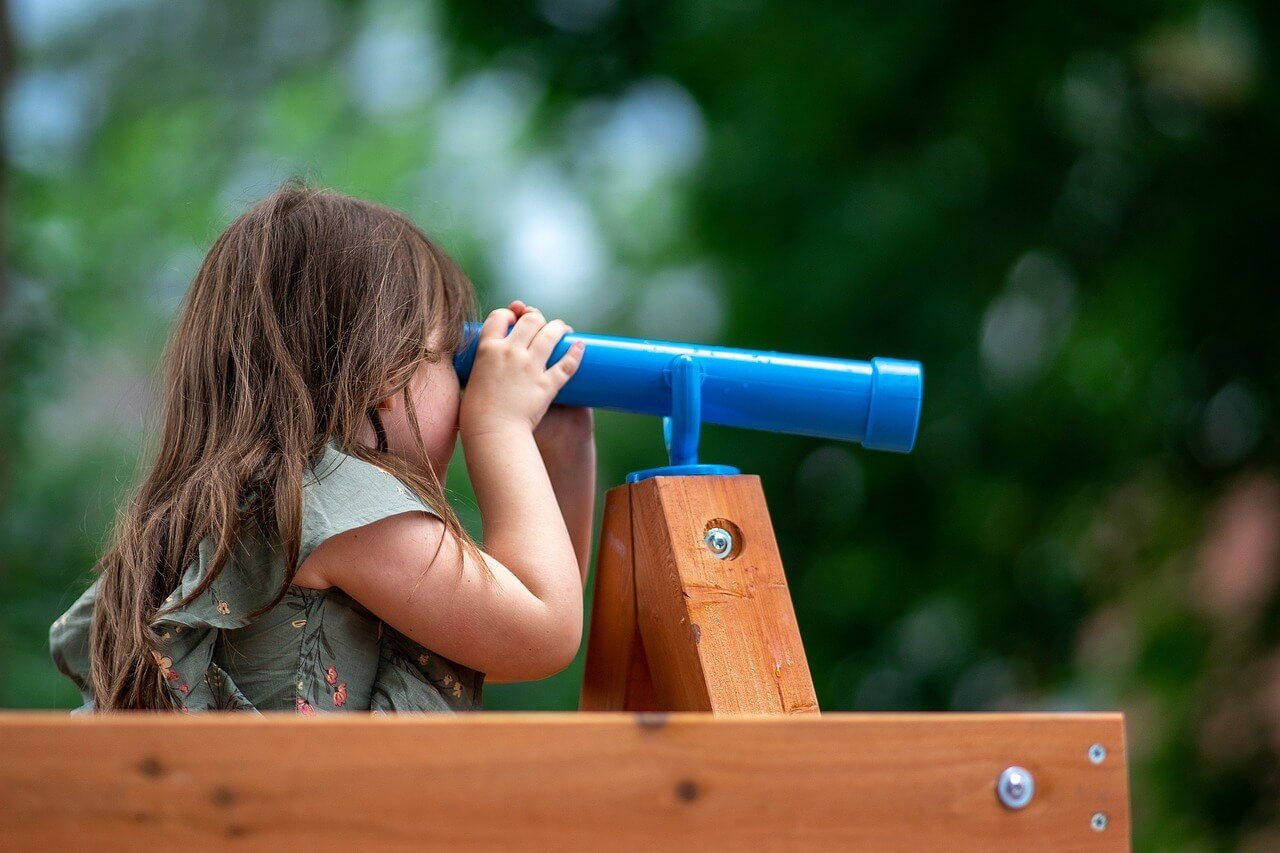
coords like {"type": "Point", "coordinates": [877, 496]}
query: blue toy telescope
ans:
{"type": "Point", "coordinates": [875, 403]}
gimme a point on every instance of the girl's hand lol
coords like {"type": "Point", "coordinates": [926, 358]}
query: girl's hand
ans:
{"type": "Point", "coordinates": [510, 382]}
{"type": "Point", "coordinates": [564, 432]}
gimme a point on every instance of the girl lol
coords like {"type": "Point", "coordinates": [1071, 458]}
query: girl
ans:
{"type": "Point", "coordinates": [291, 548]}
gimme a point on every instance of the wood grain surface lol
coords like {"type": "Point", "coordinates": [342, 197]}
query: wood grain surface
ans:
{"type": "Point", "coordinates": [550, 781]}
{"type": "Point", "coordinates": [616, 674]}
{"type": "Point", "coordinates": [673, 627]}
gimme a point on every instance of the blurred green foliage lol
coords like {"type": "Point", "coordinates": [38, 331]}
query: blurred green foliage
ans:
{"type": "Point", "coordinates": [1064, 210]}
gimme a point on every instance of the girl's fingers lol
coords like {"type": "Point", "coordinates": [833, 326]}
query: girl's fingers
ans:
{"type": "Point", "coordinates": [496, 324]}
{"type": "Point", "coordinates": [568, 363]}
{"type": "Point", "coordinates": [547, 339]}
{"type": "Point", "coordinates": [526, 327]}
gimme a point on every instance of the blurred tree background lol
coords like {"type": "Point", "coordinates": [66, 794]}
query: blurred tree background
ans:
{"type": "Point", "coordinates": [1063, 210]}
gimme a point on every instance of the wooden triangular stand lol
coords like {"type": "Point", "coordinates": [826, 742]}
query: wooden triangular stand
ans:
{"type": "Point", "coordinates": [674, 627]}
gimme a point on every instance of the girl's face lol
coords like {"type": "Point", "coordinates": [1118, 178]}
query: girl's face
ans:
{"type": "Point", "coordinates": [436, 397]}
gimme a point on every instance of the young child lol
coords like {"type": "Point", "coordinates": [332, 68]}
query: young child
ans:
{"type": "Point", "coordinates": [291, 548]}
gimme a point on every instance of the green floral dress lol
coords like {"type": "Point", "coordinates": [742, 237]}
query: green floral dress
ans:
{"type": "Point", "coordinates": [318, 650]}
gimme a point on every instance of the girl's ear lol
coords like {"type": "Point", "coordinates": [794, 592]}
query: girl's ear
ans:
{"type": "Point", "coordinates": [390, 400]}
{"type": "Point", "coordinates": [393, 401]}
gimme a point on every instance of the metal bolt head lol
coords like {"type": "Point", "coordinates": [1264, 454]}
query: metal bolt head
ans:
{"type": "Point", "coordinates": [1097, 753]}
{"type": "Point", "coordinates": [1098, 821]}
{"type": "Point", "coordinates": [719, 542]}
{"type": "Point", "coordinates": [1016, 787]}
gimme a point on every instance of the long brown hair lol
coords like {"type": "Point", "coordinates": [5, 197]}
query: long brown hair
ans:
{"type": "Point", "coordinates": [308, 307]}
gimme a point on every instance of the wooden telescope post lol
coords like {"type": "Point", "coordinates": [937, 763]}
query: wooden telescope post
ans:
{"type": "Point", "coordinates": [676, 626]}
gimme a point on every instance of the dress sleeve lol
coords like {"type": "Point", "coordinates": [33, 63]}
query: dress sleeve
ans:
{"type": "Point", "coordinates": [69, 644]}
{"type": "Point", "coordinates": [342, 492]}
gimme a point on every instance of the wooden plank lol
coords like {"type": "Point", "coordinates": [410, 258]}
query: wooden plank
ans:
{"type": "Point", "coordinates": [548, 781]}
{"type": "Point", "coordinates": [616, 674]}
{"type": "Point", "coordinates": [720, 634]}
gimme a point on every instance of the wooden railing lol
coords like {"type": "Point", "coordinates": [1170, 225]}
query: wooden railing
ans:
{"type": "Point", "coordinates": [560, 781]}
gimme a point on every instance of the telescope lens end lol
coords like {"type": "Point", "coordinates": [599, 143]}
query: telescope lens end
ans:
{"type": "Point", "coordinates": [893, 416]}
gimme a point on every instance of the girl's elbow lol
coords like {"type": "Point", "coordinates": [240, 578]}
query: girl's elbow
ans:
{"type": "Point", "coordinates": [557, 653]}
{"type": "Point", "coordinates": [552, 653]}
{"type": "Point", "coordinates": [566, 650]}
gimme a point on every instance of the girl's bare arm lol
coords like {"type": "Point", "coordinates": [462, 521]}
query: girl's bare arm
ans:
{"type": "Point", "coordinates": [573, 475]}
{"type": "Point", "coordinates": [519, 616]}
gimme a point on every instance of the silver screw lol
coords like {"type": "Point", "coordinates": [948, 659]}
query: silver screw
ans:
{"type": "Point", "coordinates": [719, 542]}
{"type": "Point", "coordinates": [1097, 753]}
{"type": "Point", "coordinates": [1015, 787]}
{"type": "Point", "coordinates": [1098, 821]}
